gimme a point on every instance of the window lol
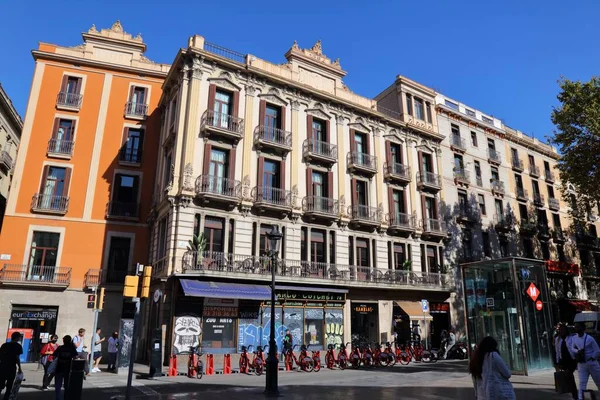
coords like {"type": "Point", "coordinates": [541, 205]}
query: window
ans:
{"type": "Point", "coordinates": [332, 247]}
{"type": "Point", "coordinates": [523, 213]}
{"type": "Point", "coordinates": [556, 221]}
{"type": "Point", "coordinates": [162, 238]}
{"type": "Point", "coordinates": [316, 243]}
{"type": "Point", "coordinates": [271, 174]}
{"type": "Point", "coordinates": [63, 136]}
{"type": "Point", "coordinates": [396, 153]}
{"type": "Point", "coordinates": [362, 252]}
{"type": "Point", "coordinates": [361, 193]}
{"type": "Point", "coordinates": [487, 119]}
{"type": "Point", "coordinates": [458, 162]}
{"type": "Point", "coordinates": [360, 141]}
{"type": "Point", "coordinates": [214, 229]}
{"type": "Point", "coordinates": [428, 111]}
{"type": "Point", "coordinates": [478, 172]}
{"type": "Point", "coordinates": [487, 249]}
{"type": "Point", "coordinates": [542, 218]}
{"type": "Point", "coordinates": [481, 201]}
{"type": "Point", "coordinates": [470, 113]}
{"type": "Point", "coordinates": [167, 170]}
{"type": "Point", "coordinates": [173, 112]}
{"type": "Point", "coordinates": [218, 171]}
{"type": "Point", "coordinates": [427, 162]}
{"type": "Point", "coordinates": [499, 209]}
{"type": "Point", "coordinates": [455, 130]}
{"type": "Point", "coordinates": [263, 244]}
{"type": "Point", "coordinates": [319, 130]}
{"type": "Point", "coordinates": [503, 242]}
{"type": "Point", "coordinates": [125, 196]}
{"type": "Point", "coordinates": [72, 85]}
{"type": "Point", "coordinates": [545, 250]}
{"type": "Point", "coordinates": [519, 181]}
{"type": "Point", "coordinates": [319, 186]}
{"type": "Point", "coordinates": [222, 108]}
{"type": "Point", "coordinates": [536, 188]}
{"type": "Point", "coordinates": [398, 199]}
{"type": "Point", "coordinates": [399, 256]}
{"type": "Point", "coordinates": [54, 189]}
{"type": "Point", "coordinates": [351, 250]}
{"type": "Point", "coordinates": [491, 144]}
{"type": "Point", "coordinates": [474, 138]}
{"type": "Point", "coordinates": [561, 252]}
{"type": "Point", "coordinates": [430, 209]}
{"type": "Point", "coordinates": [550, 191]}
{"type": "Point", "coordinates": [131, 151]}
{"type": "Point", "coordinates": [137, 101]}
{"type": "Point", "coordinates": [531, 161]}
{"type": "Point", "coordinates": [463, 201]}
{"type": "Point", "coordinates": [495, 174]}
{"type": "Point", "coordinates": [272, 122]}
{"type": "Point", "coordinates": [44, 250]}
{"type": "Point", "coordinates": [118, 259]}
{"type": "Point", "coordinates": [527, 247]}
{"type": "Point", "coordinates": [466, 244]}
{"type": "Point", "coordinates": [451, 104]}
{"type": "Point", "coordinates": [546, 166]}
{"type": "Point", "coordinates": [409, 108]}
{"type": "Point", "coordinates": [432, 260]}
{"type": "Point", "coordinates": [515, 154]}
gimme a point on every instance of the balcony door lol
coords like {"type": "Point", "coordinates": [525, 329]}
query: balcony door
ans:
{"type": "Point", "coordinates": [362, 253]}
{"type": "Point", "coordinates": [214, 229]}
{"type": "Point", "coordinates": [271, 180]}
{"type": "Point", "coordinates": [319, 190]}
{"type": "Point", "coordinates": [42, 256]}
{"type": "Point", "coordinates": [396, 153]}
{"type": "Point", "coordinates": [499, 210]}
{"type": "Point", "coordinates": [492, 145]}
{"type": "Point", "coordinates": [217, 171]}
{"type": "Point", "coordinates": [53, 188]}
{"type": "Point", "coordinates": [318, 131]}
{"type": "Point", "coordinates": [458, 163]}
{"type": "Point", "coordinates": [430, 212]}
{"type": "Point", "coordinates": [272, 122]}
{"type": "Point", "coordinates": [125, 196]}
{"type": "Point", "coordinates": [399, 256]}
{"type": "Point", "coordinates": [63, 136]}
{"type": "Point", "coordinates": [223, 101]}
{"type": "Point", "coordinates": [427, 163]}
{"type": "Point", "coordinates": [132, 148]}
{"type": "Point", "coordinates": [137, 97]}
{"type": "Point", "coordinates": [495, 174]}
{"type": "Point", "coordinates": [398, 198]}
{"type": "Point", "coordinates": [118, 259]}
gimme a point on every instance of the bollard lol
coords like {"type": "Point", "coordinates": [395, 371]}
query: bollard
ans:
{"type": "Point", "coordinates": [75, 386]}
{"type": "Point", "coordinates": [227, 364]}
{"type": "Point", "coordinates": [172, 365]}
{"type": "Point", "coordinates": [210, 365]}
{"type": "Point", "coordinates": [192, 369]}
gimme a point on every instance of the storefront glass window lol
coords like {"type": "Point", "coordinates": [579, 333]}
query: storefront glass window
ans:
{"type": "Point", "coordinates": [313, 331]}
{"type": "Point", "coordinates": [334, 326]}
{"type": "Point", "coordinates": [266, 325]}
{"type": "Point", "coordinates": [293, 319]}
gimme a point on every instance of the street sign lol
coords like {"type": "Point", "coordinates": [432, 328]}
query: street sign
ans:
{"type": "Point", "coordinates": [533, 292]}
{"type": "Point", "coordinates": [489, 302]}
{"type": "Point", "coordinates": [539, 305]}
{"type": "Point", "coordinates": [425, 306]}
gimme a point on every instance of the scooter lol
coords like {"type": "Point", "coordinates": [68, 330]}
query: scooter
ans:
{"type": "Point", "coordinates": [457, 352]}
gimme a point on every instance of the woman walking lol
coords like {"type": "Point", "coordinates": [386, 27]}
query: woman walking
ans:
{"type": "Point", "coordinates": [490, 374]}
{"type": "Point", "coordinates": [47, 358]}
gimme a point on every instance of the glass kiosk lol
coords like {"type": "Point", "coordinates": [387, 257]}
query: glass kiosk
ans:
{"type": "Point", "coordinates": [508, 299]}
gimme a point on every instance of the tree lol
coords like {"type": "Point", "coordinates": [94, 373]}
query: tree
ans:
{"type": "Point", "coordinates": [577, 136]}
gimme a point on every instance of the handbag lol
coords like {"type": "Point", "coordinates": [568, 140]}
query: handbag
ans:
{"type": "Point", "coordinates": [52, 367]}
{"type": "Point", "coordinates": [580, 356]}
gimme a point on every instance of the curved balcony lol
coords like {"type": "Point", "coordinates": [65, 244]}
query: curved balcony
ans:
{"type": "Point", "coordinates": [224, 125]}
{"type": "Point", "coordinates": [318, 150]}
{"type": "Point", "coordinates": [273, 138]}
{"type": "Point", "coordinates": [271, 198]}
{"type": "Point", "coordinates": [462, 176]}
{"type": "Point", "coordinates": [362, 162]}
{"type": "Point", "coordinates": [429, 181]}
{"type": "Point", "coordinates": [497, 187]}
{"type": "Point", "coordinates": [320, 207]}
{"type": "Point", "coordinates": [397, 172]}
{"type": "Point", "coordinates": [217, 188]}
{"type": "Point", "coordinates": [458, 144]}
{"type": "Point", "coordinates": [401, 222]}
{"type": "Point", "coordinates": [364, 215]}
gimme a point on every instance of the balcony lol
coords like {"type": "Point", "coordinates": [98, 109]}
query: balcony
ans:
{"type": "Point", "coordinates": [60, 148]}
{"type": "Point", "coordinates": [49, 204]}
{"type": "Point", "coordinates": [497, 187]}
{"type": "Point", "coordinates": [318, 150]}
{"type": "Point", "coordinates": [320, 207]}
{"type": "Point", "coordinates": [130, 156]}
{"type": "Point", "coordinates": [224, 125]}
{"type": "Point", "coordinates": [522, 194]}
{"type": "Point", "coordinates": [494, 157]}
{"type": "Point", "coordinates": [534, 171]}
{"type": "Point", "coordinates": [553, 204]}
{"type": "Point", "coordinates": [6, 160]}
{"type": "Point", "coordinates": [434, 228]}
{"type": "Point", "coordinates": [397, 172]}
{"type": "Point", "coordinates": [517, 164]}
{"type": "Point", "coordinates": [69, 101]}
{"type": "Point", "coordinates": [503, 223]}
{"type": "Point", "coordinates": [271, 198]}
{"type": "Point", "coordinates": [457, 143]}
{"type": "Point", "coordinates": [544, 231]}
{"type": "Point", "coordinates": [216, 188]}
{"type": "Point", "coordinates": [401, 222]}
{"type": "Point", "coordinates": [362, 215]}
{"type": "Point", "coordinates": [273, 138]}
{"type": "Point", "coordinates": [461, 176]}
{"type": "Point", "coordinates": [92, 278]}
{"type": "Point", "coordinates": [558, 235]}
{"type": "Point", "coordinates": [527, 227]}
{"type": "Point", "coordinates": [539, 200]}
{"type": "Point", "coordinates": [136, 110]}
{"type": "Point", "coordinates": [478, 180]}
{"type": "Point", "coordinates": [549, 176]}
{"type": "Point", "coordinates": [362, 162]}
{"type": "Point", "coordinates": [44, 277]}
{"type": "Point", "coordinates": [123, 210]}
{"type": "Point", "coordinates": [429, 181]}
{"type": "Point", "coordinates": [238, 267]}
{"type": "Point", "coordinates": [466, 214]}
{"type": "Point", "coordinates": [588, 240]}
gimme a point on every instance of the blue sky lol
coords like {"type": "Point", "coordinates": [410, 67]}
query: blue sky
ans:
{"type": "Point", "coordinates": [502, 57]}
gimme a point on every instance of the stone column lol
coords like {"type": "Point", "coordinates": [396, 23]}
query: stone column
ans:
{"type": "Point", "coordinates": [182, 118]}
{"type": "Point", "coordinates": [414, 170]}
{"type": "Point", "coordinates": [341, 164]}
{"type": "Point", "coordinates": [295, 154]}
{"type": "Point", "coordinates": [379, 165]}
{"type": "Point", "coordinates": [248, 132]}
{"type": "Point", "coordinates": [308, 243]}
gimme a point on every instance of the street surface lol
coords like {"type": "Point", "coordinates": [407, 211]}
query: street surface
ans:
{"type": "Point", "coordinates": [443, 380]}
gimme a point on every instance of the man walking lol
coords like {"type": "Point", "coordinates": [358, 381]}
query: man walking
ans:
{"type": "Point", "coordinates": [79, 342]}
{"type": "Point", "coordinates": [97, 355]}
{"type": "Point", "coordinates": [10, 363]}
{"type": "Point", "coordinates": [564, 361]}
{"type": "Point", "coordinates": [586, 352]}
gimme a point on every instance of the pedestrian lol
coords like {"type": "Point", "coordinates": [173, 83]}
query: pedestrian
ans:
{"type": "Point", "coordinates": [586, 352]}
{"type": "Point", "coordinates": [416, 332]}
{"type": "Point", "coordinates": [113, 347]}
{"type": "Point", "coordinates": [79, 342]}
{"type": "Point", "coordinates": [564, 361]}
{"type": "Point", "coordinates": [489, 372]}
{"type": "Point", "coordinates": [47, 354]}
{"type": "Point", "coordinates": [64, 356]}
{"type": "Point", "coordinates": [288, 341]}
{"type": "Point", "coordinates": [10, 363]}
{"type": "Point", "coordinates": [97, 355]}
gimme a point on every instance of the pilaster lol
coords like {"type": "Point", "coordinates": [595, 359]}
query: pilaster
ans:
{"type": "Point", "coordinates": [181, 123]}
{"type": "Point", "coordinates": [379, 165]}
{"type": "Point", "coordinates": [438, 157]}
{"type": "Point", "coordinates": [248, 129]}
{"type": "Point", "coordinates": [341, 164]}
{"type": "Point", "coordinates": [194, 78]}
{"type": "Point", "coordinates": [295, 155]}
{"type": "Point", "coordinates": [412, 186]}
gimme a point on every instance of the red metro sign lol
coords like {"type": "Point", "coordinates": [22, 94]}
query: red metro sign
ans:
{"type": "Point", "coordinates": [533, 292]}
{"type": "Point", "coordinates": [539, 305]}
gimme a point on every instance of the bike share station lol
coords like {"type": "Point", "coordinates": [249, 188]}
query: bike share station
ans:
{"type": "Point", "coordinates": [508, 299]}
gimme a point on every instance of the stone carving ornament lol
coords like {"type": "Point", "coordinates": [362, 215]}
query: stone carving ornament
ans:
{"type": "Point", "coordinates": [188, 172]}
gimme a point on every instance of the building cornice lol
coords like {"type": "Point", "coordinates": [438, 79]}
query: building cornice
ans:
{"type": "Point", "coordinates": [470, 120]}
{"type": "Point", "coordinates": [12, 114]}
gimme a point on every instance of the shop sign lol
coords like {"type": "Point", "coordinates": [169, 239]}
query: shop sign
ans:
{"type": "Point", "coordinates": [363, 309]}
{"type": "Point", "coordinates": [249, 312]}
{"type": "Point", "coordinates": [40, 315]}
{"type": "Point", "coordinates": [210, 311]}
{"type": "Point", "coordinates": [533, 292]}
{"type": "Point", "coordinates": [441, 308]}
{"type": "Point", "coordinates": [562, 267]}
{"type": "Point", "coordinates": [299, 295]}
{"type": "Point", "coordinates": [539, 305]}
{"type": "Point", "coordinates": [489, 302]}
{"type": "Point", "coordinates": [220, 302]}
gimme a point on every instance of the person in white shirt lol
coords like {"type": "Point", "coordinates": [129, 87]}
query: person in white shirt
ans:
{"type": "Point", "coordinates": [586, 352]}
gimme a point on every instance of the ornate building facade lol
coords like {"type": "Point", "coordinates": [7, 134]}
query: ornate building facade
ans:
{"type": "Point", "coordinates": [11, 125]}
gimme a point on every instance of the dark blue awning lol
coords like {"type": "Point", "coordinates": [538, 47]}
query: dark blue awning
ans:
{"type": "Point", "coordinates": [225, 290]}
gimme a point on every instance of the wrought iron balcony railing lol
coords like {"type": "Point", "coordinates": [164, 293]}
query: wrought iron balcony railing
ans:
{"type": "Point", "coordinates": [60, 147]}
{"type": "Point", "coordinates": [549, 175]}
{"type": "Point", "coordinates": [434, 226]}
{"type": "Point", "coordinates": [461, 175]}
{"type": "Point", "coordinates": [497, 186]}
{"type": "Point", "coordinates": [429, 179]}
{"type": "Point", "coordinates": [522, 194]}
{"type": "Point", "coordinates": [359, 212]}
{"type": "Point", "coordinates": [70, 100]}
{"type": "Point", "coordinates": [218, 186]}
{"type": "Point", "coordinates": [225, 123]}
{"type": "Point", "coordinates": [517, 164]}
{"type": "Point", "coordinates": [362, 161]}
{"type": "Point", "coordinates": [553, 203]}
{"type": "Point", "coordinates": [394, 170]}
{"type": "Point", "coordinates": [35, 274]}
{"type": "Point", "coordinates": [321, 206]}
{"type": "Point", "coordinates": [50, 204]}
{"type": "Point", "coordinates": [534, 171]}
{"type": "Point", "coordinates": [122, 209]}
{"type": "Point", "coordinates": [136, 110]}
{"type": "Point", "coordinates": [130, 155]}
{"type": "Point", "coordinates": [538, 199]}
{"type": "Point", "coordinates": [313, 148]}
{"type": "Point", "coordinates": [92, 278]}
{"type": "Point", "coordinates": [494, 156]}
{"type": "Point", "coordinates": [272, 137]}
{"type": "Point", "coordinates": [6, 160]}
{"type": "Point", "coordinates": [402, 221]}
{"type": "Point", "coordinates": [268, 196]}
{"type": "Point", "coordinates": [458, 143]}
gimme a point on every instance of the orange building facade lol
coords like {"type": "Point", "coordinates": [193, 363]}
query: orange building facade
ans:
{"type": "Point", "coordinates": [87, 159]}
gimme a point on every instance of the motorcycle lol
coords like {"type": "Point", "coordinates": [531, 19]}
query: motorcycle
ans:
{"type": "Point", "coordinates": [457, 352]}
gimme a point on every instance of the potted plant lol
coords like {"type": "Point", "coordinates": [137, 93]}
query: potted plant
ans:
{"type": "Point", "coordinates": [197, 245]}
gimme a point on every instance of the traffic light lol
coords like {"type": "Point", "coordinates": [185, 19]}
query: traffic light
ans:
{"type": "Point", "coordinates": [100, 303]}
{"type": "Point", "coordinates": [146, 281]}
{"type": "Point", "coordinates": [91, 301]}
{"type": "Point", "coordinates": [131, 286]}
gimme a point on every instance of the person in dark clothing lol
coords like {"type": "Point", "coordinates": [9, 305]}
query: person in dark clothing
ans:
{"type": "Point", "coordinates": [47, 358]}
{"type": "Point", "coordinates": [64, 355]}
{"type": "Point", "coordinates": [564, 360]}
{"type": "Point", "coordinates": [287, 340]}
{"type": "Point", "coordinates": [10, 363]}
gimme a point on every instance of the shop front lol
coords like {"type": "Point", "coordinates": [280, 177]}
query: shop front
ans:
{"type": "Point", "coordinates": [562, 287]}
{"type": "Point", "coordinates": [365, 322]}
{"type": "Point", "coordinates": [409, 318]}
{"type": "Point", "coordinates": [508, 299]}
{"type": "Point", "coordinates": [36, 324]}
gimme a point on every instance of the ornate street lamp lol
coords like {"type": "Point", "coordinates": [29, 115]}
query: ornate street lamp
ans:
{"type": "Point", "coordinates": [271, 387]}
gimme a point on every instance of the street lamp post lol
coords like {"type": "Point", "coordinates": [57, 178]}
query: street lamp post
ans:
{"type": "Point", "coordinates": [271, 387]}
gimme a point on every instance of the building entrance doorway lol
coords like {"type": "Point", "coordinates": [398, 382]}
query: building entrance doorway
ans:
{"type": "Point", "coordinates": [365, 322]}
{"type": "Point", "coordinates": [42, 320]}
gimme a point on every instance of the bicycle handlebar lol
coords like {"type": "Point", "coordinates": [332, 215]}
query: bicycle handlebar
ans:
{"type": "Point", "coordinates": [294, 346]}
{"type": "Point", "coordinates": [250, 348]}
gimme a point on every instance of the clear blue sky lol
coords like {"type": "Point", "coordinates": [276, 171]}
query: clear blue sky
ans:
{"type": "Point", "coordinates": [502, 57]}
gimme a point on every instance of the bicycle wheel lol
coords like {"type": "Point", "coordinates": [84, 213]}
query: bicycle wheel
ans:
{"type": "Point", "coordinates": [307, 364]}
{"type": "Point", "coordinates": [258, 367]}
{"type": "Point", "coordinates": [243, 365]}
{"type": "Point", "coordinates": [316, 364]}
{"type": "Point", "coordinates": [200, 370]}
{"type": "Point", "coordinates": [384, 360]}
{"type": "Point", "coordinates": [404, 358]}
{"type": "Point", "coordinates": [355, 361]}
{"type": "Point", "coordinates": [342, 362]}
{"type": "Point", "coordinates": [426, 356]}
{"type": "Point", "coordinates": [391, 359]}
{"type": "Point", "coordinates": [329, 361]}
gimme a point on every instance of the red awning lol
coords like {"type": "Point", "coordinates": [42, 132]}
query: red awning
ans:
{"type": "Point", "coordinates": [562, 267]}
{"type": "Point", "coordinates": [582, 305]}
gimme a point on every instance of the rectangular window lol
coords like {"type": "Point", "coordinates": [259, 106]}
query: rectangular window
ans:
{"type": "Point", "coordinates": [428, 112]}
{"type": "Point", "coordinates": [351, 250]}
{"type": "Point", "coordinates": [477, 169]}
{"type": "Point", "coordinates": [458, 162]}
{"type": "Point", "coordinates": [173, 112]}
{"type": "Point", "coordinates": [362, 252]}
{"type": "Point", "coordinates": [43, 251]}
{"type": "Point", "coordinates": [527, 247]}
{"type": "Point", "coordinates": [463, 201]}
{"type": "Point", "coordinates": [556, 221]}
{"type": "Point", "coordinates": [487, 119]}
{"type": "Point", "coordinates": [550, 191]}
{"type": "Point", "coordinates": [499, 208]}
{"type": "Point", "coordinates": [223, 107]}
{"type": "Point", "coordinates": [495, 174]}
{"type": "Point", "coordinates": [138, 95]}
{"type": "Point", "coordinates": [399, 256]}
{"type": "Point", "coordinates": [63, 137]}
{"type": "Point", "coordinates": [455, 130]}
{"type": "Point", "coordinates": [427, 163]}
{"type": "Point", "coordinates": [451, 104]}
{"type": "Point", "coordinates": [531, 160]}
{"type": "Point", "coordinates": [360, 143]}
{"type": "Point", "coordinates": [396, 153]}
{"type": "Point", "coordinates": [466, 244]}
{"type": "Point", "coordinates": [72, 85]}
{"type": "Point", "coordinates": [491, 144]}
{"type": "Point", "coordinates": [503, 242]}
{"type": "Point", "coordinates": [118, 259]}
{"type": "Point", "coordinates": [162, 239]}
{"type": "Point", "coordinates": [432, 260]}
{"type": "Point", "coordinates": [515, 154]}
{"type": "Point", "coordinates": [214, 229]}
{"type": "Point", "coordinates": [332, 247]}
{"type": "Point", "coordinates": [409, 107]}
{"type": "Point", "coordinates": [54, 187]}
{"type": "Point", "coordinates": [131, 151]}
{"type": "Point", "coordinates": [470, 113]}
{"type": "Point", "coordinates": [272, 122]}
{"type": "Point", "coordinates": [361, 195]}
{"type": "Point", "coordinates": [546, 166]}
{"type": "Point", "coordinates": [430, 211]}
{"type": "Point", "coordinates": [317, 246]}
{"type": "Point", "coordinates": [398, 198]}
{"type": "Point", "coordinates": [218, 171]}
{"type": "Point", "coordinates": [519, 181]}
{"type": "Point", "coordinates": [319, 130]}
{"type": "Point", "coordinates": [481, 201]}
{"type": "Point", "coordinates": [263, 244]}
{"type": "Point", "coordinates": [536, 188]}
{"type": "Point", "coordinates": [545, 250]}
{"type": "Point", "coordinates": [487, 249]}
{"type": "Point", "coordinates": [474, 138]}
{"type": "Point", "coordinates": [561, 252]}
{"type": "Point", "coordinates": [523, 213]}
{"type": "Point", "coordinates": [271, 174]}
{"type": "Point", "coordinates": [167, 170]}
{"type": "Point", "coordinates": [125, 196]}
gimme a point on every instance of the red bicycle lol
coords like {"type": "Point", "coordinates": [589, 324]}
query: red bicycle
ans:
{"type": "Point", "coordinates": [368, 359]}
{"type": "Point", "coordinates": [403, 354]}
{"type": "Point", "coordinates": [388, 353]}
{"type": "Point", "coordinates": [342, 358]}
{"type": "Point", "coordinates": [258, 361]}
{"type": "Point", "coordinates": [316, 358]}
{"type": "Point", "coordinates": [244, 361]}
{"type": "Point", "coordinates": [356, 357]}
{"type": "Point", "coordinates": [304, 362]}
{"type": "Point", "coordinates": [330, 356]}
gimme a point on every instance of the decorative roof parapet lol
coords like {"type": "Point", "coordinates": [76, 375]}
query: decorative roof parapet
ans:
{"type": "Point", "coordinates": [315, 53]}
{"type": "Point", "coordinates": [115, 32]}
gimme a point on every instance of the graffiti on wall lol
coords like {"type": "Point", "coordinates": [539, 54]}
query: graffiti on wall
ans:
{"type": "Point", "coordinates": [334, 326]}
{"type": "Point", "coordinates": [186, 334]}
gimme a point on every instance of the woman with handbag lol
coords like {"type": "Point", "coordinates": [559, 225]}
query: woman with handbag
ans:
{"type": "Point", "coordinates": [47, 354]}
{"type": "Point", "coordinates": [490, 374]}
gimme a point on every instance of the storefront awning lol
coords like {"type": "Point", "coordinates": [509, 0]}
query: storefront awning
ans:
{"type": "Point", "coordinates": [413, 310]}
{"type": "Point", "coordinates": [225, 290]}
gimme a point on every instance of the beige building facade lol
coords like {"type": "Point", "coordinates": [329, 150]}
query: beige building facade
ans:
{"type": "Point", "coordinates": [11, 126]}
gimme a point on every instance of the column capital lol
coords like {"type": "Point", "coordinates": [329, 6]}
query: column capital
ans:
{"type": "Point", "coordinates": [295, 105]}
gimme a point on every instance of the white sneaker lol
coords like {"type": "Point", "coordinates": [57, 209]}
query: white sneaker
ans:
{"type": "Point", "coordinates": [95, 369]}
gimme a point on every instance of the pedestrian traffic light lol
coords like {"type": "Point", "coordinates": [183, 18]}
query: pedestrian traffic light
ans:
{"type": "Point", "coordinates": [100, 303]}
{"type": "Point", "coordinates": [91, 301]}
{"type": "Point", "coordinates": [131, 286]}
{"type": "Point", "coordinates": [146, 281]}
